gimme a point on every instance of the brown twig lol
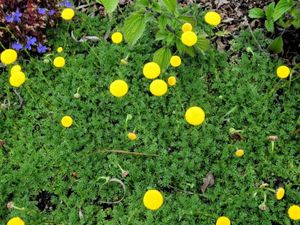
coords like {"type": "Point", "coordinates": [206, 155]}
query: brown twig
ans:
{"type": "Point", "coordinates": [128, 153]}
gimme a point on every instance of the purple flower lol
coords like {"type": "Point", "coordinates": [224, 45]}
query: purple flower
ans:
{"type": "Point", "coordinates": [41, 48]}
{"type": "Point", "coordinates": [30, 41]}
{"type": "Point", "coordinates": [17, 46]}
{"type": "Point", "coordinates": [17, 16]}
{"type": "Point", "coordinates": [51, 12]}
{"type": "Point", "coordinates": [9, 18]}
{"type": "Point", "coordinates": [42, 11]}
{"type": "Point", "coordinates": [66, 3]}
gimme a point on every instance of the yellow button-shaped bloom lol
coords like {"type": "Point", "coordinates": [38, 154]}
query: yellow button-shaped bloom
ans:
{"type": "Point", "coordinates": [280, 192]}
{"type": "Point", "coordinates": [283, 72]}
{"type": "Point", "coordinates": [17, 79]}
{"type": "Point", "coordinates": [294, 212]}
{"type": "Point", "coordinates": [172, 81]}
{"type": "Point", "coordinates": [59, 62]}
{"type": "Point", "coordinates": [60, 49]}
{"type": "Point", "coordinates": [151, 70]}
{"type": "Point", "coordinates": [132, 136]}
{"type": "Point", "coordinates": [223, 220]}
{"type": "Point", "coordinates": [187, 27]}
{"type": "Point", "coordinates": [68, 14]}
{"type": "Point", "coordinates": [153, 199]}
{"type": "Point", "coordinates": [8, 56]}
{"type": "Point", "coordinates": [212, 18]}
{"type": "Point", "coordinates": [175, 61]}
{"type": "Point", "coordinates": [15, 69]}
{"type": "Point", "coordinates": [16, 221]}
{"type": "Point", "coordinates": [158, 87]}
{"type": "Point", "coordinates": [66, 121]}
{"type": "Point", "coordinates": [118, 88]}
{"type": "Point", "coordinates": [189, 38]}
{"type": "Point", "coordinates": [117, 37]}
{"type": "Point", "coordinates": [195, 115]}
{"type": "Point", "coordinates": [239, 153]}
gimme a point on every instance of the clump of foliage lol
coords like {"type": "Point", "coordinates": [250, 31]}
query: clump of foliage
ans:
{"type": "Point", "coordinates": [23, 24]}
{"type": "Point", "coordinates": [284, 14]}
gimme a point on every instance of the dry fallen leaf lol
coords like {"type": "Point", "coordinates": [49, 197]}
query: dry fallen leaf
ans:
{"type": "Point", "coordinates": [208, 181]}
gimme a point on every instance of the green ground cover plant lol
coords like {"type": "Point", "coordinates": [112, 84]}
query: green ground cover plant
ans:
{"type": "Point", "coordinates": [92, 173]}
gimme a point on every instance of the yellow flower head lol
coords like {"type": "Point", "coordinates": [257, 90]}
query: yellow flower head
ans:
{"type": "Point", "coordinates": [175, 61]}
{"type": "Point", "coordinates": [118, 88]}
{"type": "Point", "coordinates": [117, 37]}
{"type": "Point", "coordinates": [223, 220]}
{"type": "Point", "coordinates": [8, 56]}
{"type": "Point", "coordinates": [17, 79]}
{"type": "Point", "coordinates": [59, 62]}
{"type": "Point", "coordinates": [153, 199]}
{"type": "Point", "coordinates": [294, 212]}
{"type": "Point", "coordinates": [189, 38]}
{"type": "Point", "coordinates": [187, 27]}
{"type": "Point", "coordinates": [16, 221]}
{"type": "Point", "coordinates": [172, 81]}
{"type": "Point", "coordinates": [239, 153]}
{"type": "Point", "coordinates": [158, 87]}
{"type": "Point", "coordinates": [195, 116]}
{"type": "Point", "coordinates": [212, 18]}
{"type": "Point", "coordinates": [283, 72]}
{"type": "Point", "coordinates": [66, 121]}
{"type": "Point", "coordinates": [132, 136]}
{"type": "Point", "coordinates": [15, 68]}
{"type": "Point", "coordinates": [59, 49]}
{"type": "Point", "coordinates": [151, 70]}
{"type": "Point", "coordinates": [68, 14]}
{"type": "Point", "coordinates": [279, 193]}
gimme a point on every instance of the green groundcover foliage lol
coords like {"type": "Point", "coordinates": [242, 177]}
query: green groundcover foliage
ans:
{"type": "Point", "coordinates": [56, 175]}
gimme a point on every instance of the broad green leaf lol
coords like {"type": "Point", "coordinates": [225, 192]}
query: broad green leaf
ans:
{"type": "Point", "coordinates": [203, 43]}
{"type": "Point", "coordinates": [295, 13]}
{"type": "Point", "coordinates": [269, 24]}
{"type": "Point", "coordinates": [134, 27]}
{"type": "Point", "coordinates": [109, 5]}
{"type": "Point", "coordinates": [281, 8]}
{"type": "Point", "coordinates": [188, 19]}
{"type": "Point", "coordinates": [162, 57]}
{"type": "Point", "coordinates": [270, 10]}
{"type": "Point", "coordinates": [171, 5]}
{"type": "Point", "coordinates": [276, 45]}
{"type": "Point", "coordinates": [184, 49]}
{"type": "Point", "coordinates": [256, 13]}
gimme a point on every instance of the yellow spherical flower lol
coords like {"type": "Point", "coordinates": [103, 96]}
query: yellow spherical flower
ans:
{"type": "Point", "coordinates": [66, 121]}
{"type": "Point", "coordinates": [153, 199]}
{"type": "Point", "coordinates": [175, 61]}
{"type": "Point", "coordinates": [212, 18]}
{"type": "Point", "coordinates": [59, 62]}
{"type": "Point", "coordinates": [189, 38]}
{"type": "Point", "coordinates": [132, 136]}
{"type": "Point", "coordinates": [239, 153]}
{"type": "Point", "coordinates": [294, 212]}
{"type": "Point", "coordinates": [223, 220]}
{"type": "Point", "coordinates": [151, 70]}
{"type": "Point", "coordinates": [68, 14]}
{"type": "Point", "coordinates": [8, 56]}
{"type": "Point", "coordinates": [158, 87]}
{"type": "Point", "coordinates": [195, 116]}
{"type": "Point", "coordinates": [59, 49]}
{"type": "Point", "coordinates": [118, 88]}
{"type": "Point", "coordinates": [117, 37]}
{"type": "Point", "coordinates": [283, 72]}
{"type": "Point", "coordinates": [16, 221]}
{"type": "Point", "coordinates": [187, 27]}
{"type": "Point", "coordinates": [279, 193]}
{"type": "Point", "coordinates": [17, 79]}
{"type": "Point", "coordinates": [172, 81]}
{"type": "Point", "coordinates": [15, 69]}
